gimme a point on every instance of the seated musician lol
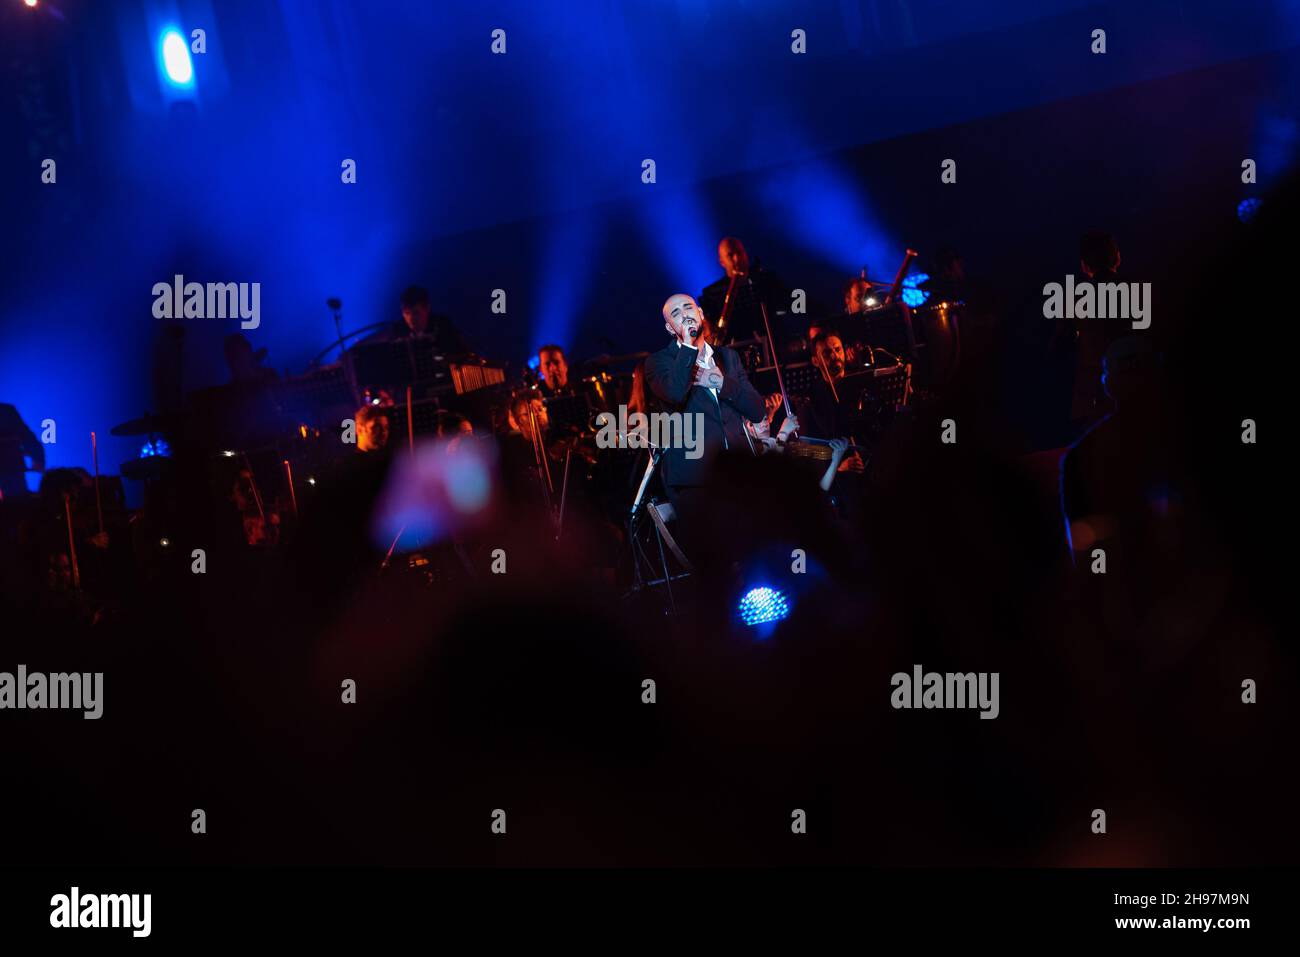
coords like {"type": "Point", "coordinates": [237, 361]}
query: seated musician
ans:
{"type": "Point", "coordinates": [526, 425]}
{"type": "Point", "coordinates": [243, 413]}
{"type": "Point", "coordinates": [372, 429]}
{"type": "Point", "coordinates": [453, 425]}
{"type": "Point", "coordinates": [568, 410]}
{"type": "Point", "coordinates": [246, 365]}
{"type": "Point", "coordinates": [527, 418]}
{"type": "Point", "coordinates": [554, 369]}
{"type": "Point", "coordinates": [418, 320]}
{"type": "Point", "coordinates": [17, 441]}
{"type": "Point", "coordinates": [761, 431]}
{"type": "Point", "coordinates": [859, 296]}
{"type": "Point", "coordinates": [70, 493]}
{"type": "Point", "coordinates": [530, 424]}
{"type": "Point", "coordinates": [824, 413]}
{"type": "Point", "coordinates": [834, 454]}
{"type": "Point", "coordinates": [692, 376]}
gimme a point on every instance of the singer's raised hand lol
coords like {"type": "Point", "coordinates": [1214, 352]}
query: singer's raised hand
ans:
{"type": "Point", "coordinates": [710, 378]}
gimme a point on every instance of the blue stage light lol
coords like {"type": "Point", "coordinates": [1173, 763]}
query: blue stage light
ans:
{"type": "Point", "coordinates": [1247, 209]}
{"type": "Point", "coordinates": [912, 296]}
{"type": "Point", "coordinates": [176, 59]}
{"type": "Point", "coordinates": [762, 605]}
{"type": "Point", "coordinates": [157, 447]}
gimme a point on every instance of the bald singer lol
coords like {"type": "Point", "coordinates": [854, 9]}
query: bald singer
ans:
{"type": "Point", "coordinates": [689, 375]}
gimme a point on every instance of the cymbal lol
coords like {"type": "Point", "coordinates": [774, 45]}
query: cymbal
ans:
{"type": "Point", "coordinates": [147, 424]}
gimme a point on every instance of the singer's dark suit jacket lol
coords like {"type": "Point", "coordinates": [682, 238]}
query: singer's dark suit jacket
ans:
{"type": "Point", "coordinates": [670, 375]}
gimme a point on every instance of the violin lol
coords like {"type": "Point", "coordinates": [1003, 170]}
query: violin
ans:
{"type": "Point", "coordinates": [815, 450]}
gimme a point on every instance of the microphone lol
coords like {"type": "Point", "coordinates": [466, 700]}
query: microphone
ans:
{"type": "Point", "coordinates": [334, 304]}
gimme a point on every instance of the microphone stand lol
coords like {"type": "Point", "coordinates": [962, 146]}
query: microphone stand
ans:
{"type": "Point", "coordinates": [336, 307]}
{"type": "Point", "coordinates": [656, 453]}
{"type": "Point", "coordinates": [638, 556]}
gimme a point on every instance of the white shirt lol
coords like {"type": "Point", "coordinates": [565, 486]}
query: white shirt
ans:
{"type": "Point", "coordinates": [705, 361]}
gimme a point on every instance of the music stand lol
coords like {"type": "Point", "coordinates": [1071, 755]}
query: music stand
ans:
{"type": "Point", "coordinates": [425, 417]}
{"type": "Point", "coordinates": [659, 514]}
{"type": "Point", "coordinates": [568, 411]}
{"type": "Point", "coordinates": [889, 385]}
{"type": "Point", "coordinates": [800, 378]}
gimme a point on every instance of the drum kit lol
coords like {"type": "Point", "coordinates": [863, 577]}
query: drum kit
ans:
{"type": "Point", "coordinates": [153, 463]}
{"type": "Point", "coordinates": [264, 442]}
